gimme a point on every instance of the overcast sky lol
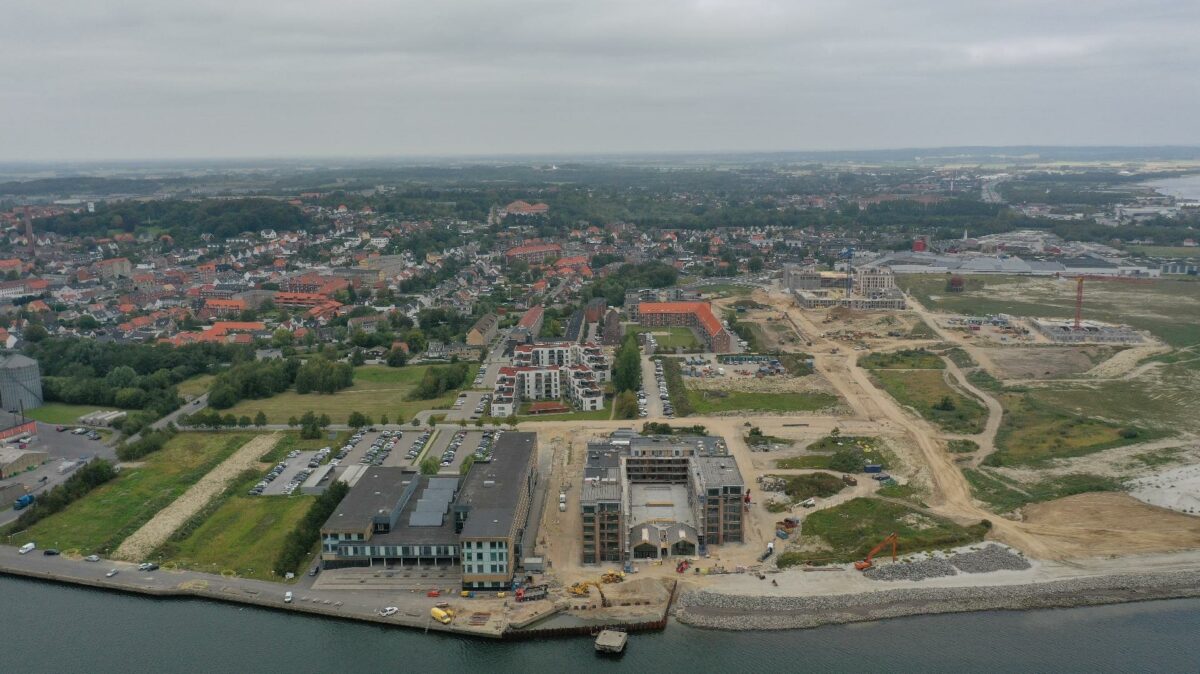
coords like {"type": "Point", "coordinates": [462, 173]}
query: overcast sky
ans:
{"type": "Point", "coordinates": [103, 79]}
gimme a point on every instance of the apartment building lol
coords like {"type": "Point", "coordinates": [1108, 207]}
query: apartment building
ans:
{"type": "Point", "coordinates": [653, 497]}
{"type": "Point", "coordinates": [552, 371]}
{"type": "Point", "coordinates": [695, 315]}
{"type": "Point", "coordinates": [477, 525]}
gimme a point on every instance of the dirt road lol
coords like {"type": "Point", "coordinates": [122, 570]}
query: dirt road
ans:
{"type": "Point", "coordinates": [155, 532]}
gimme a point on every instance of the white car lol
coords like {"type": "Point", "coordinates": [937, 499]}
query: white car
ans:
{"type": "Point", "coordinates": [27, 548]}
{"type": "Point", "coordinates": [92, 558]}
{"type": "Point", "coordinates": [111, 573]}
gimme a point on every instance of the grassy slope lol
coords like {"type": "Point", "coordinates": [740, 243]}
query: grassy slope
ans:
{"type": "Point", "coordinates": [852, 528]}
{"type": "Point", "coordinates": [109, 514]}
{"type": "Point", "coordinates": [377, 390]}
{"type": "Point", "coordinates": [1032, 432]}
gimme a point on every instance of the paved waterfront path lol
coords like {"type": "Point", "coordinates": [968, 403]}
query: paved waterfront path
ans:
{"type": "Point", "coordinates": [156, 532]}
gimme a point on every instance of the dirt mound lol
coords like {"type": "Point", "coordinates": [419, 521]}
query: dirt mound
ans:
{"type": "Point", "coordinates": [1089, 525]}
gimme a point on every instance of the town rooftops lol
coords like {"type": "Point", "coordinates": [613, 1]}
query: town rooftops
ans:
{"type": "Point", "coordinates": [531, 317]}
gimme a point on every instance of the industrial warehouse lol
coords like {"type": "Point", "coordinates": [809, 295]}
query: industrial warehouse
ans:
{"type": "Point", "coordinates": [653, 497]}
{"type": "Point", "coordinates": [397, 518]}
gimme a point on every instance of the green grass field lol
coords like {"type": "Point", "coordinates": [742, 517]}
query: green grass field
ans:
{"type": "Point", "coordinates": [112, 512]}
{"type": "Point", "coordinates": [62, 413]}
{"type": "Point", "coordinates": [909, 359]}
{"type": "Point", "coordinates": [852, 528]}
{"type": "Point", "coordinates": [923, 389]}
{"type": "Point", "coordinates": [1168, 308]}
{"type": "Point", "coordinates": [243, 536]}
{"type": "Point", "coordinates": [715, 402]}
{"type": "Point", "coordinates": [668, 338]}
{"type": "Point", "coordinates": [1034, 431]}
{"type": "Point", "coordinates": [377, 390]}
{"type": "Point", "coordinates": [1004, 496]}
{"type": "Point", "coordinates": [195, 386]}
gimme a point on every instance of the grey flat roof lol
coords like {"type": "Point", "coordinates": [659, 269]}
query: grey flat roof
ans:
{"type": "Point", "coordinates": [492, 489]}
{"type": "Point", "coordinates": [417, 526]}
{"type": "Point", "coordinates": [375, 493]}
{"type": "Point", "coordinates": [719, 471]}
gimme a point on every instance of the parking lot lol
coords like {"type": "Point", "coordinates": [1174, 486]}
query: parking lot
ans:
{"type": "Point", "coordinates": [470, 407]}
{"type": "Point", "coordinates": [297, 467]}
{"type": "Point", "coordinates": [464, 444]}
{"type": "Point", "coordinates": [61, 446]}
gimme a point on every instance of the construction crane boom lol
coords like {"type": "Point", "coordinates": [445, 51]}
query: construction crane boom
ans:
{"type": "Point", "coordinates": [867, 563]}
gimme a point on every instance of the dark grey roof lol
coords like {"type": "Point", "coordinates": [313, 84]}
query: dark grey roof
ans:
{"type": "Point", "coordinates": [11, 360]}
{"type": "Point", "coordinates": [718, 471]}
{"type": "Point", "coordinates": [492, 489]}
{"type": "Point", "coordinates": [377, 492]}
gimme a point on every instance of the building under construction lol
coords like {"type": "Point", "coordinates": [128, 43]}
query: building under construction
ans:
{"type": "Point", "coordinates": [869, 289]}
{"type": "Point", "coordinates": [1086, 332]}
{"type": "Point", "coordinates": [653, 497]}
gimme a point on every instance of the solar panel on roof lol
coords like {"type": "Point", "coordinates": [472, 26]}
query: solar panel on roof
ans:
{"type": "Point", "coordinates": [426, 519]}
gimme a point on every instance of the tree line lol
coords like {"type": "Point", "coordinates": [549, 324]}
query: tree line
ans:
{"type": "Point", "coordinates": [299, 543]}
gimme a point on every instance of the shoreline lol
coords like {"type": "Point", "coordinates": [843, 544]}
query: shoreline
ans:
{"type": "Point", "coordinates": [705, 609]}
{"type": "Point", "coordinates": [711, 610]}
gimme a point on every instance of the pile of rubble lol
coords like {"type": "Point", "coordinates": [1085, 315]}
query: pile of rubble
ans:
{"type": "Point", "coordinates": [984, 560]}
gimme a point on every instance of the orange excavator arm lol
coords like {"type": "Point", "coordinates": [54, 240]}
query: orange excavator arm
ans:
{"type": "Point", "coordinates": [891, 539]}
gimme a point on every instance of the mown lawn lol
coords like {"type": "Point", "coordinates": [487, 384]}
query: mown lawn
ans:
{"type": "Point", "coordinates": [377, 390]}
{"type": "Point", "coordinates": [714, 402]}
{"type": "Point", "coordinates": [62, 413]}
{"type": "Point", "coordinates": [668, 338]}
{"type": "Point", "coordinates": [852, 528]}
{"type": "Point", "coordinates": [99, 522]}
{"type": "Point", "coordinates": [922, 390]}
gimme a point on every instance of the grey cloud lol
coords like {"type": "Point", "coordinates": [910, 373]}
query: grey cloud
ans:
{"type": "Point", "coordinates": [154, 78]}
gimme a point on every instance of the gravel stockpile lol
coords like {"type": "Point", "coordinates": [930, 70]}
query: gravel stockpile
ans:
{"type": "Point", "coordinates": [989, 558]}
{"type": "Point", "coordinates": [738, 612]}
{"type": "Point", "coordinates": [935, 567]}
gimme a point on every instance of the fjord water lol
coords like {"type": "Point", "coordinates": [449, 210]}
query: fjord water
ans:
{"type": "Point", "coordinates": [57, 628]}
{"type": "Point", "coordinates": [1180, 187]}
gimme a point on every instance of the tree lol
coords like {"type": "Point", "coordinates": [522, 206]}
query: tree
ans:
{"type": "Point", "coordinates": [292, 421]}
{"type": "Point", "coordinates": [35, 333]}
{"type": "Point", "coordinates": [358, 420]}
{"type": "Point", "coordinates": [260, 419]}
{"type": "Point", "coordinates": [383, 419]}
{"type": "Point", "coordinates": [511, 421]}
{"type": "Point", "coordinates": [397, 358]}
{"type": "Point", "coordinates": [466, 464]}
{"type": "Point", "coordinates": [222, 396]}
{"type": "Point", "coordinates": [244, 421]}
{"type": "Point", "coordinates": [416, 422]}
{"type": "Point", "coordinates": [944, 405]}
{"type": "Point", "coordinates": [625, 405]}
{"type": "Point", "coordinates": [627, 367]}
{"type": "Point", "coordinates": [429, 466]}
{"type": "Point", "coordinates": [358, 357]}
{"type": "Point", "coordinates": [754, 264]}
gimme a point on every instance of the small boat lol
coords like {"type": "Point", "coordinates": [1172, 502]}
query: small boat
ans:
{"type": "Point", "coordinates": [611, 641]}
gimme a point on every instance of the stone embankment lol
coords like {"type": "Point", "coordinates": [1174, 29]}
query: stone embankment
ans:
{"type": "Point", "coordinates": [738, 612]}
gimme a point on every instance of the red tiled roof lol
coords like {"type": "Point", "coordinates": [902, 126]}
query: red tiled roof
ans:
{"type": "Point", "coordinates": [530, 317]}
{"type": "Point", "coordinates": [702, 310]}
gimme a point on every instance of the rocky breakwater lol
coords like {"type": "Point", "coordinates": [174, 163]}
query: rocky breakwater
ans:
{"type": "Point", "coordinates": [753, 612]}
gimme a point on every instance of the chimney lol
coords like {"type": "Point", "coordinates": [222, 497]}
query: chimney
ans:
{"type": "Point", "coordinates": [29, 225]}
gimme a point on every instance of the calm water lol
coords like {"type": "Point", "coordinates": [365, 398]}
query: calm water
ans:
{"type": "Point", "coordinates": [62, 629]}
{"type": "Point", "coordinates": [1183, 187]}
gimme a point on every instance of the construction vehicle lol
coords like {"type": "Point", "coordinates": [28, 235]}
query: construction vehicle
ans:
{"type": "Point", "coordinates": [849, 480]}
{"type": "Point", "coordinates": [612, 577]}
{"type": "Point", "coordinates": [443, 615]}
{"type": "Point", "coordinates": [581, 590]}
{"type": "Point", "coordinates": [532, 593]}
{"type": "Point", "coordinates": [867, 563]}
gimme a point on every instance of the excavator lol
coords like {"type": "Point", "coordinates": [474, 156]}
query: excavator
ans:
{"type": "Point", "coordinates": [581, 590]}
{"type": "Point", "coordinates": [867, 563]}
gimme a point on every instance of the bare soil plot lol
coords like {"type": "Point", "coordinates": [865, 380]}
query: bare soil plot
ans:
{"type": "Point", "coordinates": [1090, 525]}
